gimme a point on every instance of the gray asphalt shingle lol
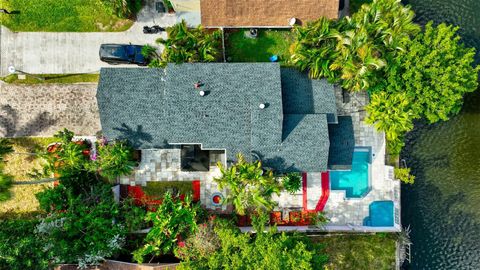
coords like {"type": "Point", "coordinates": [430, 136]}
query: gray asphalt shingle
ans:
{"type": "Point", "coordinates": [156, 107]}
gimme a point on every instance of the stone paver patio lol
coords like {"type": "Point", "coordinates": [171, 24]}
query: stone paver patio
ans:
{"type": "Point", "coordinates": [43, 109]}
{"type": "Point", "coordinates": [165, 165]}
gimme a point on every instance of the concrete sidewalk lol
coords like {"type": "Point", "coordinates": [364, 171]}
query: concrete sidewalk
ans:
{"type": "Point", "coordinates": [72, 52]}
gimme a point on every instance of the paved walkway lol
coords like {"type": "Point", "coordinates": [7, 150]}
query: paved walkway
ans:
{"type": "Point", "coordinates": [60, 53]}
{"type": "Point", "coordinates": [43, 109]}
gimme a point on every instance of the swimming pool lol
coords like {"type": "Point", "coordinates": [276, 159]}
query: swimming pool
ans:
{"type": "Point", "coordinates": [381, 214]}
{"type": "Point", "coordinates": [355, 181]}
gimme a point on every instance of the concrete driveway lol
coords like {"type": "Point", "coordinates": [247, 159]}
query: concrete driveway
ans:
{"type": "Point", "coordinates": [44, 109]}
{"type": "Point", "coordinates": [60, 53]}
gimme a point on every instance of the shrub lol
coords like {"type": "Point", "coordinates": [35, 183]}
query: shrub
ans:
{"type": "Point", "coordinates": [20, 248]}
{"type": "Point", "coordinates": [292, 182]}
{"type": "Point", "coordinates": [173, 220]}
{"type": "Point", "coordinates": [123, 8]}
{"type": "Point", "coordinates": [268, 250]}
{"type": "Point", "coordinates": [403, 174]}
{"type": "Point", "coordinates": [88, 230]}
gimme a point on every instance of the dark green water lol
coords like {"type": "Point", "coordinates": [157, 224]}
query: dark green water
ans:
{"type": "Point", "coordinates": [443, 206]}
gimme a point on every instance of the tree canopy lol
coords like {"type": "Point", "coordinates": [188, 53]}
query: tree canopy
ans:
{"type": "Point", "coordinates": [266, 250]}
{"type": "Point", "coordinates": [408, 73]}
{"type": "Point", "coordinates": [186, 45]}
{"type": "Point", "coordinates": [250, 188]}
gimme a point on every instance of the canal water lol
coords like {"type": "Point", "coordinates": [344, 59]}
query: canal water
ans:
{"type": "Point", "coordinates": [442, 208]}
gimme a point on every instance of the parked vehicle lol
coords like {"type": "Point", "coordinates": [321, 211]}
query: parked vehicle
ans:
{"type": "Point", "coordinates": [116, 54]}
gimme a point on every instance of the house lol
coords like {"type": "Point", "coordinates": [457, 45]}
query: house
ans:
{"type": "Point", "coordinates": [257, 109]}
{"type": "Point", "coordinates": [186, 118]}
{"type": "Point", "coordinates": [254, 13]}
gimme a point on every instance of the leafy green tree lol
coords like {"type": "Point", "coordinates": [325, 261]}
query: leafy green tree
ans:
{"type": "Point", "coordinates": [20, 248]}
{"type": "Point", "coordinates": [268, 250]}
{"type": "Point", "coordinates": [88, 229]}
{"type": "Point", "coordinates": [435, 72]}
{"type": "Point", "coordinates": [393, 114]}
{"type": "Point", "coordinates": [188, 45]}
{"type": "Point", "coordinates": [250, 188]}
{"type": "Point", "coordinates": [173, 220]}
{"type": "Point", "coordinates": [114, 159]}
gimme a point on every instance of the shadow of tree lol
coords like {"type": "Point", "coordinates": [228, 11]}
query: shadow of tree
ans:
{"type": "Point", "coordinates": [9, 122]}
{"type": "Point", "coordinates": [136, 137]}
{"type": "Point", "coordinates": [10, 127]}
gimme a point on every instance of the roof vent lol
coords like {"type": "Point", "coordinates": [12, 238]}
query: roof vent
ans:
{"type": "Point", "coordinates": [202, 93]}
{"type": "Point", "coordinates": [262, 106]}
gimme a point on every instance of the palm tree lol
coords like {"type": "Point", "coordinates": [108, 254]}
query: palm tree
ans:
{"type": "Point", "coordinates": [359, 60]}
{"type": "Point", "coordinates": [189, 45]}
{"type": "Point", "coordinates": [250, 188]}
{"type": "Point", "coordinates": [314, 48]}
{"type": "Point", "coordinates": [392, 113]}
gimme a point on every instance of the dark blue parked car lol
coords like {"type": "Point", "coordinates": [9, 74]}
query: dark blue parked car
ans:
{"type": "Point", "coordinates": [116, 54]}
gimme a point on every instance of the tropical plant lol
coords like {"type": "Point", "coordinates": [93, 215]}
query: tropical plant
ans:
{"type": "Point", "coordinates": [89, 229]}
{"type": "Point", "coordinates": [392, 113]}
{"type": "Point", "coordinates": [250, 188]}
{"type": "Point", "coordinates": [174, 219]}
{"type": "Point", "coordinates": [188, 45]}
{"type": "Point", "coordinates": [435, 72]}
{"type": "Point", "coordinates": [359, 60]}
{"type": "Point", "coordinates": [292, 182]}
{"type": "Point", "coordinates": [403, 174]}
{"type": "Point", "coordinates": [314, 48]}
{"type": "Point", "coordinates": [269, 250]}
{"type": "Point", "coordinates": [388, 23]}
{"type": "Point", "coordinates": [114, 159]}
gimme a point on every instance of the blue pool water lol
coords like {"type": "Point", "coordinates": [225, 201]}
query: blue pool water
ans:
{"type": "Point", "coordinates": [381, 214]}
{"type": "Point", "coordinates": [355, 181]}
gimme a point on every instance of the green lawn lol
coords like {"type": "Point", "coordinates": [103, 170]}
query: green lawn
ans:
{"type": "Point", "coordinates": [19, 164]}
{"type": "Point", "coordinates": [53, 78]}
{"type": "Point", "coordinates": [269, 42]}
{"type": "Point", "coordinates": [61, 16]}
{"type": "Point", "coordinates": [362, 252]}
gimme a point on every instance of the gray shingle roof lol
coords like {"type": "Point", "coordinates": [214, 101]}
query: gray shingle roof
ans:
{"type": "Point", "coordinates": [156, 107]}
{"type": "Point", "coordinates": [302, 95]}
{"type": "Point", "coordinates": [342, 144]}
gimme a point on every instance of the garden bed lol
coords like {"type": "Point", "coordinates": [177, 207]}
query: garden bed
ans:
{"type": "Point", "coordinates": [240, 48]}
{"type": "Point", "coordinates": [62, 16]}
